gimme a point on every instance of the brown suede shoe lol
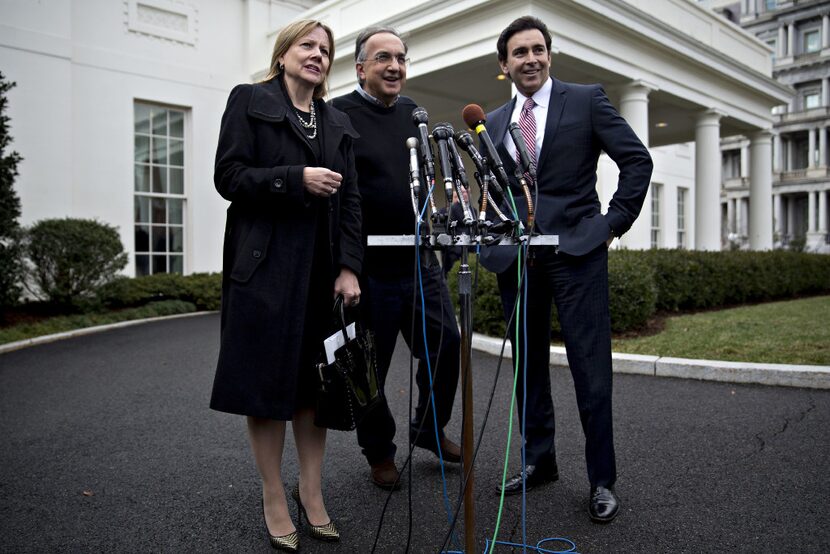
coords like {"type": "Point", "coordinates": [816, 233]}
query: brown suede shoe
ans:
{"type": "Point", "coordinates": [385, 475]}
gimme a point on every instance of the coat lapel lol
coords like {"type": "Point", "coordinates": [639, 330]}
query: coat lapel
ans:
{"type": "Point", "coordinates": [558, 97]}
{"type": "Point", "coordinates": [498, 128]}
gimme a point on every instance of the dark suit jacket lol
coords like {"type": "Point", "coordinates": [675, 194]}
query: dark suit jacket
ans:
{"type": "Point", "coordinates": [581, 123]}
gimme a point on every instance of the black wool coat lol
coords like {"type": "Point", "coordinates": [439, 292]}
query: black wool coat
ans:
{"type": "Point", "coordinates": [271, 225]}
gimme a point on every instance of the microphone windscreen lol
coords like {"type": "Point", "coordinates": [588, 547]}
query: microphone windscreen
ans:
{"type": "Point", "coordinates": [419, 115]}
{"type": "Point", "coordinates": [472, 114]}
{"type": "Point", "coordinates": [412, 142]}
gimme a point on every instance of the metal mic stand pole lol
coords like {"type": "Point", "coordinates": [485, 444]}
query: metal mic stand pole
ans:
{"type": "Point", "coordinates": [465, 307]}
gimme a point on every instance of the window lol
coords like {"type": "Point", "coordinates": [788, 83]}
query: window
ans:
{"type": "Point", "coordinates": [731, 164]}
{"type": "Point", "coordinates": [811, 41]}
{"type": "Point", "coordinates": [811, 99]}
{"type": "Point", "coordinates": [770, 5]}
{"type": "Point", "coordinates": [681, 218]}
{"type": "Point", "coordinates": [655, 215]}
{"type": "Point", "coordinates": [159, 189]}
{"type": "Point", "coordinates": [772, 43]}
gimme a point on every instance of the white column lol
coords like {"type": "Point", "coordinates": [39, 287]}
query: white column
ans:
{"type": "Point", "coordinates": [811, 148]}
{"type": "Point", "coordinates": [822, 212]}
{"type": "Point", "coordinates": [730, 216]}
{"type": "Point", "coordinates": [825, 91]}
{"type": "Point", "coordinates": [744, 161]}
{"type": "Point", "coordinates": [822, 147]}
{"type": "Point", "coordinates": [760, 191]}
{"type": "Point", "coordinates": [812, 197]}
{"type": "Point", "coordinates": [789, 155]}
{"type": "Point", "coordinates": [825, 31]}
{"type": "Point", "coordinates": [744, 215]}
{"type": "Point", "coordinates": [707, 180]}
{"type": "Point", "coordinates": [634, 109]}
{"type": "Point", "coordinates": [778, 158]}
{"type": "Point", "coordinates": [782, 42]}
{"type": "Point", "coordinates": [778, 215]}
{"type": "Point", "coordinates": [791, 39]}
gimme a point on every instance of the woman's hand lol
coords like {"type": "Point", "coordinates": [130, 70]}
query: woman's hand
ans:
{"type": "Point", "coordinates": [347, 285]}
{"type": "Point", "coordinates": [320, 181]}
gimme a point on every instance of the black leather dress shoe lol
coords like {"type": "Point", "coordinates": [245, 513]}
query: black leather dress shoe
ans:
{"type": "Point", "coordinates": [535, 475]}
{"type": "Point", "coordinates": [603, 505]}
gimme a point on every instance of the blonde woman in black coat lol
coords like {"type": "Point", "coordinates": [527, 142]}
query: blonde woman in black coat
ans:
{"type": "Point", "coordinates": [292, 243]}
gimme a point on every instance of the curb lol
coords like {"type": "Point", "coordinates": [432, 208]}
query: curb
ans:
{"type": "Point", "coordinates": [34, 341]}
{"type": "Point", "coordinates": [786, 375]}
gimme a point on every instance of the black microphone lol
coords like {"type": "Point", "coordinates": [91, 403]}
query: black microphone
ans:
{"type": "Point", "coordinates": [465, 141]}
{"type": "Point", "coordinates": [521, 148]}
{"type": "Point", "coordinates": [420, 119]}
{"type": "Point", "coordinates": [441, 133]}
{"type": "Point", "coordinates": [474, 117]}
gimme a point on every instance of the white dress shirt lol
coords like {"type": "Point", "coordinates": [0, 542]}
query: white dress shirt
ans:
{"type": "Point", "coordinates": [540, 112]}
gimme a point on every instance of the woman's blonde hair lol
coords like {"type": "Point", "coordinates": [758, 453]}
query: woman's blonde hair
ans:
{"type": "Point", "coordinates": [290, 34]}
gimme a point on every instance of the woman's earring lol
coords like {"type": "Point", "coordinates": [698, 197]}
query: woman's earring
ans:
{"type": "Point", "coordinates": [281, 66]}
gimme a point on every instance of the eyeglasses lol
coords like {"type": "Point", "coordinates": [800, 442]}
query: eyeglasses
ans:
{"type": "Point", "coordinates": [385, 58]}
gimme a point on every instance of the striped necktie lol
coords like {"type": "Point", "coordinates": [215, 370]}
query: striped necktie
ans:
{"type": "Point", "coordinates": [527, 123]}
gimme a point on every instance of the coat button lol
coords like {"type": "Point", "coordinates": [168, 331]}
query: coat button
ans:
{"type": "Point", "coordinates": [278, 184]}
{"type": "Point", "coordinates": [257, 254]}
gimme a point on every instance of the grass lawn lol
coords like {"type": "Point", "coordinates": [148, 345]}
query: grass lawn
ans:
{"type": "Point", "coordinates": [788, 332]}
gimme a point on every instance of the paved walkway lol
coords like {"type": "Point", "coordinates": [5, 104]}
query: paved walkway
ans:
{"type": "Point", "coordinates": [108, 446]}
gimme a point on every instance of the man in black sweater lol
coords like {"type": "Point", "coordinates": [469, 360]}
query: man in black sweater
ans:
{"type": "Point", "coordinates": [384, 120]}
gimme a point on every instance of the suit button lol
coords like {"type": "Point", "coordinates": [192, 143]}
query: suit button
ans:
{"type": "Point", "coordinates": [278, 184]}
{"type": "Point", "coordinates": [257, 254]}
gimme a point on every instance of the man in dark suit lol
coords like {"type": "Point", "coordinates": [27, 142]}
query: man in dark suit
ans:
{"type": "Point", "coordinates": [565, 127]}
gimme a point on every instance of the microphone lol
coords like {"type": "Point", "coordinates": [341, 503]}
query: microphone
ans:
{"type": "Point", "coordinates": [465, 141]}
{"type": "Point", "coordinates": [414, 170]}
{"type": "Point", "coordinates": [474, 117]}
{"type": "Point", "coordinates": [420, 119]}
{"type": "Point", "coordinates": [440, 134]}
{"type": "Point", "coordinates": [521, 148]}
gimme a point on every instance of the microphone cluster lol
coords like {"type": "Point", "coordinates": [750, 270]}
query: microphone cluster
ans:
{"type": "Point", "coordinates": [490, 172]}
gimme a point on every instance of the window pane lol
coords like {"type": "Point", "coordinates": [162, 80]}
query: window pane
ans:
{"type": "Point", "coordinates": [176, 264]}
{"type": "Point", "coordinates": [142, 149]}
{"type": "Point", "coordinates": [142, 118]}
{"type": "Point", "coordinates": [159, 264]}
{"type": "Point", "coordinates": [159, 121]}
{"type": "Point", "coordinates": [159, 238]}
{"type": "Point", "coordinates": [176, 235]}
{"type": "Point", "coordinates": [176, 152]}
{"type": "Point", "coordinates": [176, 181]}
{"type": "Point", "coordinates": [142, 178]}
{"type": "Point", "coordinates": [142, 209]}
{"type": "Point", "coordinates": [175, 206]}
{"type": "Point", "coordinates": [159, 151]}
{"type": "Point", "coordinates": [142, 265]}
{"type": "Point", "coordinates": [142, 238]}
{"type": "Point", "coordinates": [159, 179]}
{"type": "Point", "coordinates": [159, 215]}
{"type": "Point", "coordinates": [176, 124]}
{"type": "Point", "coordinates": [811, 42]}
{"type": "Point", "coordinates": [811, 101]}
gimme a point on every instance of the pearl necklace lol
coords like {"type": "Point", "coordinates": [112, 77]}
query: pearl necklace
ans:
{"type": "Point", "coordinates": [311, 123]}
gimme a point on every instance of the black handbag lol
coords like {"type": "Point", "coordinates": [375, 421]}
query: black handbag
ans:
{"type": "Point", "coordinates": [348, 387]}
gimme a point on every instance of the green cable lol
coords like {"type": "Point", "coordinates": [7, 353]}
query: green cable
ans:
{"type": "Point", "coordinates": [515, 380]}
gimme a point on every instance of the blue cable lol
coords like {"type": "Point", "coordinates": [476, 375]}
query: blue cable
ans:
{"type": "Point", "coordinates": [447, 506]}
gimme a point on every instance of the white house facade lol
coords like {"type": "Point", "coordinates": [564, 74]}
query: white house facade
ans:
{"type": "Point", "coordinates": [118, 102]}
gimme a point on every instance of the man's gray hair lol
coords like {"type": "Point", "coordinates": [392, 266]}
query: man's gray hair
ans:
{"type": "Point", "coordinates": [365, 34]}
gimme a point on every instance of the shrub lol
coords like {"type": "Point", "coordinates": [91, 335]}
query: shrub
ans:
{"type": "Point", "coordinates": [201, 289]}
{"type": "Point", "coordinates": [632, 293]}
{"type": "Point", "coordinates": [69, 258]}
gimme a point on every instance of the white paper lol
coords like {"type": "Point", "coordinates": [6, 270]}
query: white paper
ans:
{"type": "Point", "coordinates": [336, 341]}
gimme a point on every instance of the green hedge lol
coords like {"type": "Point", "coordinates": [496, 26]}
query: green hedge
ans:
{"type": "Point", "coordinates": [201, 289]}
{"type": "Point", "coordinates": [643, 282]}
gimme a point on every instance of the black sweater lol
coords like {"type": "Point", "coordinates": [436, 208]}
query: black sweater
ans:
{"type": "Point", "coordinates": [382, 163]}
